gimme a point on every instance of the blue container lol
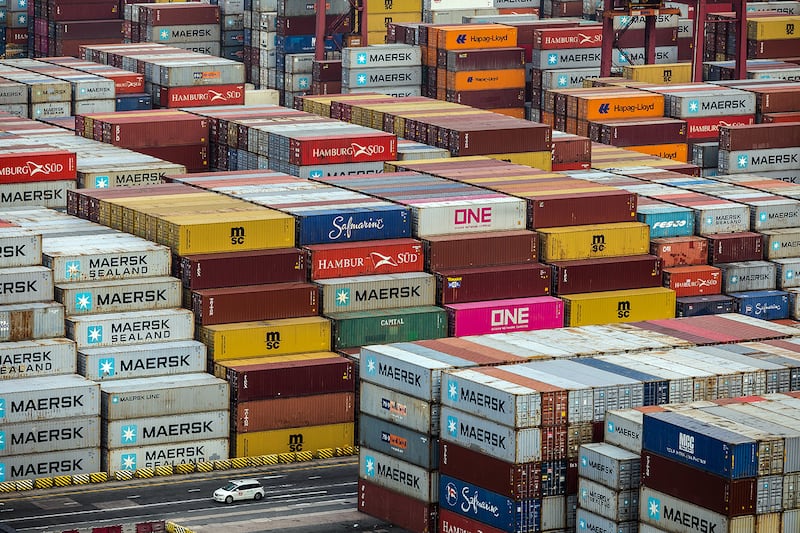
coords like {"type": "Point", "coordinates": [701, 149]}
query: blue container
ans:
{"type": "Point", "coordinates": [713, 304]}
{"type": "Point", "coordinates": [385, 221]}
{"type": "Point", "coordinates": [554, 478]}
{"type": "Point", "coordinates": [419, 449]}
{"type": "Point", "coordinates": [134, 102]}
{"type": "Point", "coordinates": [766, 305]}
{"type": "Point", "coordinates": [232, 38]}
{"type": "Point", "coordinates": [656, 388]}
{"type": "Point", "coordinates": [682, 438]}
{"type": "Point", "coordinates": [234, 53]}
{"type": "Point", "coordinates": [666, 220]}
{"type": "Point", "coordinates": [304, 44]}
{"type": "Point", "coordinates": [466, 499]}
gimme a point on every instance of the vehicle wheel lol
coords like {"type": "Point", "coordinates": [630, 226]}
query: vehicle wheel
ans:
{"type": "Point", "coordinates": [258, 496]}
{"type": "Point", "coordinates": [229, 499]}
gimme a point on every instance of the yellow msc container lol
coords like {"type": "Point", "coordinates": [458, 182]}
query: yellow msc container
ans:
{"type": "Point", "coordinates": [663, 74]}
{"type": "Point", "coordinates": [301, 439]}
{"type": "Point", "coordinates": [379, 7]}
{"type": "Point", "coordinates": [610, 307]}
{"type": "Point", "coordinates": [243, 340]}
{"type": "Point", "coordinates": [773, 28]}
{"type": "Point", "coordinates": [592, 241]}
{"type": "Point", "coordinates": [673, 151]}
{"type": "Point", "coordinates": [379, 21]}
{"type": "Point", "coordinates": [540, 160]}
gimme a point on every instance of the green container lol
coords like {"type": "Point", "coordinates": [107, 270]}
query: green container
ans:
{"type": "Point", "coordinates": [362, 328]}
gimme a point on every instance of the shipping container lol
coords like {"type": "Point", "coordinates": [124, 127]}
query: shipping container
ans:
{"type": "Point", "coordinates": [135, 327]}
{"type": "Point", "coordinates": [406, 411]}
{"type": "Point", "coordinates": [396, 508]}
{"type": "Point", "coordinates": [714, 304]}
{"type": "Point", "coordinates": [498, 441]}
{"type": "Point", "coordinates": [475, 250]}
{"type": "Point", "coordinates": [619, 306]}
{"type": "Point", "coordinates": [118, 296]}
{"type": "Point", "coordinates": [364, 258]}
{"type": "Point", "coordinates": [50, 464]}
{"type": "Point", "coordinates": [606, 274]}
{"type": "Point", "coordinates": [20, 247]}
{"type": "Point", "coordinates": [386, 291]}
{"type": "Point", "coordinates": [609, 465]}
{"type": "Point", "coordinates": [361, 328]}
{"type": "Point", "coordinates": [501, 316]}
{"type": "Point", "coordinates": [235, 269]}
{"type": "Point", "coordinates": [254, 302]}
{"type": "Point", "coordinates": [616, 505]}
{"type": "Point", "coordinates": [314, 410]}
{"type": "Point", "coordinates": [693, 280]}
{"type": "Point", "coordinates": [450, 521]}
{"type": "Point", "coordinates": [179, 453]}
{"type": "Point", "coordinates": [296, 439]}
{"type": "Point", "coordinates": [46, 357]}
{"type": "Point", "coordinates": [418, 449]}
{"type": "Point", "coordinates": [169, 429]}
{"type": "Point", "coordinates": [662, 510]}
{"type": "Point", "coordinates": [589, 521]}
{"type": "Point", "coordinates": [734, 247]}
{"type": "Point", "coordinates": [496, 283]}
{"type": "Point", "coordinates": [748, 276]}
{"type": "Point", "coordinates": [588, 242]}
{"type": "Point", "coordinates": [675, 251]}
{"type": "Point", "coordinates": [19, 322]}
{"type": "Point", "coordinates": [49, 397]}
{"type": "Point", "coordinates": [50, 435]}
{"type": "Point", "coordinates": [623, 428]}
{"type": "Point", "coordinates": [781, 243]}
{"type": "Point", "coordinates": [766, 305]}
{"type": "Point", "coordinates": [141, 360]}
{"type": "Point", "coordinates": [267, 337]}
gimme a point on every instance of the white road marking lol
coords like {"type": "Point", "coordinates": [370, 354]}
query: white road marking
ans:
{"type": "Point", "coordinates": [134, 497]}
{"type": "Point", "coordinates": [194, 490]}
{"type": "Point", "coordinates": [314, 477]}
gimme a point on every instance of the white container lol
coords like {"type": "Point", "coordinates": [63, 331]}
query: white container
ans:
{"type": "Point", "coordinates": [142, 360]}
{"type": "Point", "coordinates": [393, 474]}
{"type": "Point", "coordinates": [38, 320]}
{"type": "Point", "coordinates": [623, 428]}
{"type": "Point", "coordinates": [117, 296]}
{"type": "Point", "coordinates": [666, 512]}
{"type": "Point", "coordinates": [45, 398]}
{"type": "Point", "coordinates": [28, 284]}
{"type": "Point", "coordinates": [398, 408]}
{"type": "Point", "coordinates": [386, 291]}
{"type": "Point", "coordinates": [553, 513]}
{"type": "Point", "coordinates": [609, 465]}
{"type": "Point", "coordinates": [50, 435]}
{"type": "Point", "coordinates": [588, 521]}
{"type": "Point", "coordinates": [19, 247]}
{"type": "Point", "coordinates": [179, 427]}
{"type": "Point", "coordinates": [501, 442]}
{"type": "Point", "coordinates": [382, 56]}
{"type": "Point", "coordinates": [763, 160]}
{"type": "Point", "coordinates": [619, 506]}
{"type": "Point", "coordinates": [45, 357]}
{"type": "Point", "coordinates": [51, 194]}
{"type": "Point", "coordinates": [447, 5]}
{"type": "Point", "coordinates": [440, 217]}
{"type": "Point", "coordinates": [50, 464]}
{"type": "Point", "coordinates": [136, 327]}
{"type": "Point", "coordinates": [193, 452]}
{"type": "Point", "coordinates": [388, 366]}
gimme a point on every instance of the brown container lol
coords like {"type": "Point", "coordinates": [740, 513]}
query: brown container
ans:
{"type": "Point", "coordinates": [733, 247]}
{"type": "Point", "coordinates": [571, 152]}
{"type": "Point", "coordinates": [326, 87]}
{"type": "Point", "coordinates": [291, 375]}
{"type": "Point", "coordinates": [193, 156]}
{"type": "Point", "coordinates": [636, 38]}
{"type": "Point", "coordinates": [776, 98]}
{"type": "Point", "coordinates": [477, 136]}
{"type": "Point", "coordinates": [482, 59]}
{"type": "Point", "coordinates": [642, 132]}
{"type": "Point", "coordinates": [493, 99]}
{"type": "Point", "coordinates": [729, 497]}
{"type": "Point", "coordinates": [255, 302]}
{"type": "Point", "coordinates": [235, 269]}
{"type": "Point", "coordinates": [396, 508]}
{"type": "Point", "coordinates": [480, 250]}
{"type": "Point", "coordinates": [759, 136]}
{"type": "Point", "coordinates": [492, 283]}
{"type": "Point", "coordinates": [306, 25]}
{"type": "Point", "coordinates": [676, 251]}
{"type": "Point", "coordinates": [516, 481]}
{"type": "Point", "coordinates": [178, 13]}
{"type": "Point", "coordinates": [565, 8]}
{"type": "Point", "coordinates": [132, 129]}
{"type": "Point", "coordinates": [280, 413]}
{"type": "Point", "coordinates": [89, 29]}
{"type": "Point", "coordinates": [555, 209]}
{"type": "Point", "coordinates": [606, 274]}
{"type": "Point", "coordinates": [773, 49]}
{"type": "Point", "coordinates": [87, 10]}
{"type": "Point", "coordinates": [326, 70]}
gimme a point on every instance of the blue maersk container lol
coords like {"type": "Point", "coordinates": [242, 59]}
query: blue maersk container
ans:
{"type": "Point", "coordinates": [682, 438]}
{"type": "Point", "coordinates": [378, 221]}
{"type": "Point", "coordinates": [766, 305]}
{"type": "Point", "coordinates": [656, 388]}
{"type": "Point", "coordinates": [466, 499]}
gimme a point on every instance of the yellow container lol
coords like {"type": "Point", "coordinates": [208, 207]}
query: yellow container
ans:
{"type": "Point", "coordinates": [592, 241]}
{"type": "Point", "coordinates": [379, 7]}
{"type": "Point", "coordinates": [221, 367]}
{"type": "Point", "coordinates": [674, 152]}
{"type": "Point", "coordinates": [302, 439]}
{"type": "Point", "coordinates": [611, 307]}
{"type": "Point", "coordinates": [540, 160]}
{"type": "Point", "coordinates": [379, 21]}
{"type": "Point", "coordinates": [243, 340]}
{"type": "Point", "coordinates": [376, 37]}
{"type": "Point", "coordinates": [664, 74]}
{"type": "Point", "coordinates": [773, 28]}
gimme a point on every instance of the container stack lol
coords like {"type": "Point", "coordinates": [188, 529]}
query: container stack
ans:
{"type": "Point", "coordinates": [260, 37]}
{"type": "Point", "coordinates": [187, 25]}
{"type": "Point", "coordinates": [382, 14]}
{"type": "Point", "coordinates": [454, 11]}
{"type": "Point", "coordinates": [326, 76]}
{"type": "Point", "coordinates": [231, 37]}
{"type": "Point", "coordinates": [59, 29]}
{"type": "Point", "coordinates": [391, 69]}
{"type": "Point", "coordinates": [45, 96]}
{"type": "Point", "coordinates": [294, 75]}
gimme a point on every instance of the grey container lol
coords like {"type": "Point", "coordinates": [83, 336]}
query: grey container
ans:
{"type": "Point", "coordinates": [609, 465]}
{"type": "Point", "coordinates": [568, 78]}
{"type": "Point", "coordinates": [19, 285]}
{"type": "Point", "coordinates": [50, 435]}
{"type": "Point", "coordinates": [83, 107]}
{"type": "Point", "coordinates": [136, 327]}
{"type": "Point", "coordinates": [781, 243]}
{"type": "Point", "coordinates": [346, 169]}
{"type": "Point", "coordinates": [387, 291]}
{"type": "Point", "coordinates": [787, 274]}
{"type": "Point", "coordinates": [39, 320]}
{"type": "Point", "coordinates": [717, 103]}
{"type": "Point", "coordinates": [169, 429]}
{"type": "Point", "coordinates": [194, 33]}
{"type": "Point", "coordinates": [142, 360]}
{"type": "Point", "coordinates": [382, 56]}
{"type": "Point", "coordinates": [297, 82]}
{"type": "Point", "coordinates": [553, 513]}
{"type": "Point", "coordinates": [420, 449]}
{"type": "Point", "coordinates": [12, 92]}
{"type": "Point", "coordinates": [46, 398]}
{"type": "Point", "coordinates": [163, 395]}
{"type": "Point", "coordinates": [90, 87]}
{"type": "Point", "coordinates": [623, 428]}
{"type": "Point", "coordinates": [46, 357]}
{"type": "Point", "coordinates": [299, 63]}
{"type": "Point", "coordinates": [368, 78]}
{"type": "Point", "coordinates": [619, 506]}
{"type": "Point", "coordinates": [19, 247]}
{"type": "Point", "coordinates": [776, 377]}
{"type": "Point", "coordinates": [588, 521]}
{"type": "Point", "coordinates": [729, 218]}
{"type": "Point", "coordinates": [44, 110]}
{"type": "Point", "coordinates": [50, 194]}
{"type": "Point", "coordinates": [680, 381]}
{"type": "Point", "coordinates": [116, 296]}
{"type": "Point", "coordinates": [398, 92]}
{"type": "Point", "coordinates": [569, 58]}
{"type": "Point", "coordinates": [667, 512]}
{"type": "Point", "coordinates": [705, 155]}
{"type": "Point", "coordinates": [293, 8]}
{"type": "Point", "coordinates": [485, 436]}
{"type": "Point", "coordinates": [763, 160]}
{"type": "Point", "coordinates": [394, 474]}
{"type": "Point", "coordinates": [192, 452]}
{"type": "Point", "coordinates": [406, 411]}
{"type": "Point", "coordinates": [216, 70]}
{"type": "Point", "coordinates": [773, 214]}
{"type": "Point", "coordinates": [748, 276]}
{"type": "Point", "coordinates": [51, 464]}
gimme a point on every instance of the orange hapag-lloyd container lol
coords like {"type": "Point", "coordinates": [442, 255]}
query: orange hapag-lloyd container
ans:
{"type": "Point", "coordinates": [468, 37]}
{"type": "Point", "coordinates": [674, 151]}
{"type": "Point", "coordinates": [634, 104]}
{"type": "Point", "coordinates": [477, 80]}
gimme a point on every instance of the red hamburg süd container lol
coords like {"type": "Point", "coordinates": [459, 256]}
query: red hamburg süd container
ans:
{"type": "Point", "coordinates": [676, 251]}
{"type": "Point", "coordinates": [365, 258]}
{"type": "Point", "coordinates": [734, 247]}
{"type": "Point", "coordinates": [294, 375]}
{"type": "Point", "coordinates": [201, 95]}
{"type": "Point", "coordinates": [568, 38]}
{"type": "Point", "coordinates": [255, 302]}
{"type": "Point", "coordinates": [44, 164]}
{"type": "Point", "coordinates": [295, 411]}
{"type": "Point", "coordinates": [708, 127]}
{"type": "Point", "coordinates": [456, 523]}
{"type": "Point", "coordinates": [396, 508]}
{"type": "Point", "coordinates": [235, 269]}
{"type": "Point", "coordinates": [694, 280]}
{"type": "Point", "coordinates": [476, 250]}
{"type": "Point", "coordinates": [335, 149]}
{"type": "Point", "coordinates": [606, 274]}
{"type": "Point", "coordinates": [492, 283]}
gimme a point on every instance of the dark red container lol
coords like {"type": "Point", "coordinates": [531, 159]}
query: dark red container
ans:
{"type": "Point", "coordinates": [482, 59]}
{"type": "Point", "coordinates": [450, 522]}
{"type": "Point", "coordinates": [341, 260]}
{"type": "Point", "coordinates": [234, 269]}
{"type": "Point", "coordinates": [606, 274]}
{"type": "Point", "coordinates": [294, 411]}
{"type": "Point", "coordinates": [326, 87]}
{"type": "Point", "coordinates": [758, 136]}
{"type": "Point", "coordinates": [478, 249]}
{"type": "Point", "coordinates": [470, 136]}
{"type": "Point", "coordinates": [396, 508]}
{"type": "Point", "coordinates": [674, 251]}
{"type": "Point", "coordinates": [635, 38]}
{"type": "Point", "coordinates": [286, 376]}
{"type": "Point", "coordinates": [734, 247]}
{"type": "Point", "coordinates": [492, 283]}
{"type": "Point", "coordinates": [694, 280]}
{"type": "Point", "coordinates": [193, 156]}
{"type": "Point", "coordinates": [571, 152]}
{"type": "Point", "coordinates": [729, 497]}
{"type": "Point", "coordinates": [89, 29]}
{"type": "Point", "coordinates": [773, 49]}
{"type": "Point", "coordinates": [132, 129]}
{"type": "Point", "coordinates": [88, 10]}
{"type": "Point", "coordinates": [255, 302]}
{"type": "Point", "coordinates": [513, 480]}
{"type": "Point", "coordinates": [635, 132]}
{"type": "Point", "coordinates": [178, 13]}
{"type": "Point", "coordinates": [791, 116]}
{"type": "Point", "coordinates": [490, 99]}
{"type": "Point", "coordinates": [326, 70]}
{"type": "Point", "coordinates": [777, 99]}
{"type": "Point", "coordinates": [565, 8]}
{"type": "Point", "coordinates": [306, 25]}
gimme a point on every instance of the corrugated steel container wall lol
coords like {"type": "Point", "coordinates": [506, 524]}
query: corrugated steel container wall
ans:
{"type": "Point", "coordinates": [277, 413]}
{"type": "Point", "coordinates": [655, 390]}
{"type": "Point", "coordinates": [136, 457]}
{"type": "Point", "coordinates": [715, 450]}
{"type": "Point", "coordinates": [419, 449]}
{"type": "Point", "coordinates": [790, 521]}
{"type": "Point", "coordinates": [406, 411]}
{"type": "Point", "coordinates": [554, 513]}
{"type": "Point", "coordinates": [764, 160]}
{"type": "Point", "coordinates": [781, 243]}
{"type": "Point", "coordinates": [608, 274]}
{"type": "Point", "coordinates": [118, 296]}
{"type": "Point", "coordinates": [128, 258]}
{"type": "Point", "coordinates": [734, 247]}
{"type": "Point", "coordinates": [748, 276]}
{"type": "Point", "coordinates": [623, 428]}
{"type": "Point", "coordinates": [714, 304]}
{"type": "Point", "coordinates": [593, 522]}
{"type": "Point", "coordinates": [396, 508]}
{"type": "Point", "coordinates": [268, 337]}
{"type": "Point", "coordinates": [475, 250]}
{"type": "Point", "coordinates": [136, 327]}
{"type": "Point", "coordinates": [693, 280]}
{"type": "Point", "coordinates": [51, 464]}
{"type": "Point", "coordinates": [501, 442]}
{"type": "Point", "coordinates": [363, 293]}
{"type": "Point", "coordinates": [48, 397]}
{"type": "Point", "coordinates": [387, 326]}
{"type": "Point", "coordinates": [255, 302]}
{"type": "Point", "coordinates": [19, 285]}
{"type": "Point", "coordinates": [444, 217]}
{"type": "Point", "coordinates": [20, 247]}
{"type": "Point", "coordinates": [662, 510]}
{"type": "Point", "coordinates": [450, 521]}
{"type": "Point", "coordinates": [52, 194]}
{"type": "Point", "coordinates": [790, 491]}
{"type": "Point", "coordinates": [162, 396]}
{"type": "Point", "coordinates": [492, 283]}
{"type": "Point", "coordinates": [168, 429]}
{"type": "Point", "coordinates": [46, 357]}
{"type": "Point", "coordinates": [620, 506]}
{"type": "Point", "coordinates": [141, 360]}
{"type": "Point", "coordinates": [501, 316]}
{"type": "Point", "coordinates": [498, 511]}
{"type": "Point", "coordinates": [675, 251]}
{"type": "Point", "coordinates": [786, 274]}
{"type": "Point", "coordinates": [404, 371]}
{"type": "Point", "coordinates": [50, 435]}
{"type": "Point", "coordinates": [364, 259]}
{"type": "Point", "coordinates": [766, 305]}
{"type": "Point", "coordinates": [20, 322]}
{"type": "Point", "coordinates": [619, 306]}
{"type": "Point", "coordinates": [234, 269]}
{"type": "Point", "coordinates": [297, 439]}
{"type": "Point", "coordinates": [609, 465]}
{"type": "Point", "coordinates": [587, 242]}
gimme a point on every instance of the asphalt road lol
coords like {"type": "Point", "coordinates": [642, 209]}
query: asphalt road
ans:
{"type": "Point", "coordinates": [314, 497]}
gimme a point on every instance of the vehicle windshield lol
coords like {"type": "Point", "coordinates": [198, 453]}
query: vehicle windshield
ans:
{"type": "Point", "coordinates": [231, 487]}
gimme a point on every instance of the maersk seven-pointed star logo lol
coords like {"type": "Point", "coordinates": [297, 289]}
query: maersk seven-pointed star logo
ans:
{"type": "Point", "coordinates": [361, 79]}
{"type": "Point", "coordinates": [128, 434]}
{"type": "Point", "coordinates": [164, 35]}
{"type": "Point", "coordinates": [694, 106]}
{"type": "Point", "coordinates": [452, 425]}
{"type": "Point", "coordinates": [303, 83]}
{"type": "Point", "coordinates": [2, 408]}
{"type": "Point", "coordinates": [582, 523]}
{"type": "Point", "coordinates": [369, 466]}
{"type": "Point", "coordinates": [315, 174]}
{"type": "Point", "coordinates": [83, 301]}
{"type": "Point", "coordinates": [452, 390]}
{"type": "Point", "coordinates": [128, 461]}
{"type": "Point", "coordinates": [361, 59]}
{"type": "Point", "coordinates": [101, 182]}
{"type": "Point", "coordinates": [741, 161]}
{"type": "Point", "coordinates": [563, 81]}
{"type": "Point", "coordinates": [611, 427]}
{"type": "Point", "coordinates": [584, 461]}
{"type": "Point", "coordinates": [2, 440]}
{"type": "Point", "coordinates": [72, 270]}
{"type": "Point", "coordinates": [654, 508]}
{"type": "Point", "coordinates": [105, 367]}
{"type": "Point", "coordinates": [552, 59]}
{"type": "Point", "coordinates": [371, 366]}
{"type": "Point", "coordinates": [94, 334]}
{"type": "Point", "coordinates": [2, 472]}
{"type": "Point", "coordinates": [343, 297]}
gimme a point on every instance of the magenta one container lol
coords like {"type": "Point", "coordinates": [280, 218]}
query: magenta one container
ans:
{"type": "Point", "coordinates": [504, 316]}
